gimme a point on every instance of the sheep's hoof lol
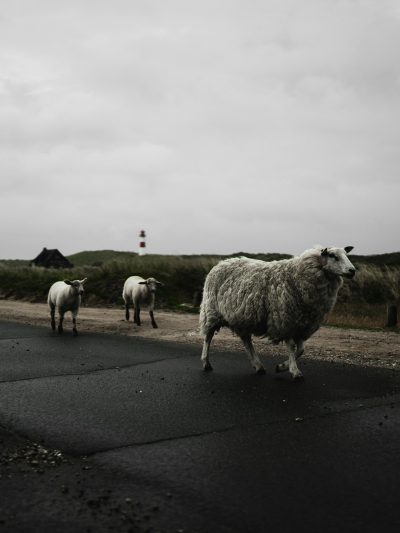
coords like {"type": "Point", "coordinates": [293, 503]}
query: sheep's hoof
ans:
{"type": "Point", "coordinates": [299, 378]}
{"type": "Point", "coordinates": [155, 326]}
{"type": "Point", "coordinates": [60, 330]}
{"type": "Point", "coordinates": [207, 367]}
{"type": "Point", "coordinates": [74, 332]}
{"type": "Point", "coordinates": [261, 371]}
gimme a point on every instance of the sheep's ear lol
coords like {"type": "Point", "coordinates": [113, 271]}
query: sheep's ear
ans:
{"type": "Point", "coordinates": [68, 282]}
{"type": "Point", "coordinates": [142, 282]}
{"type": "Point", "coordinates": [83, 280]}
{"type": "Point", "coordinates": [348, 249]}
{"type": "Point", "coordinates": [159, 283]}
{"type": "Point", "coordinates": [324, 252]}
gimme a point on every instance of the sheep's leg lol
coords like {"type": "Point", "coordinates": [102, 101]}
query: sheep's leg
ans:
{"type": "Point", "coordinates": [74, 330]}
{"type": "Point", "coordinates": [127, 312]}
{"type": "Point", "coordinates": [60, 323]}
{"type": "Point", "coordinates": [294, 353]}
{"type": "Point", "coordinates": [153, 322]}
{"type": "Point", "coordinates": [52, 316]}
{"type": "Point", "coordinates": [206, 349]}
{"type": "Point", "coordinates": [282, 367]}
{"type": "Point", "coordinates": [254, 359]}
{"type": "Point", "coordinates": [137, 315]}
{"type": "Point", "coordinates": [293, 368]}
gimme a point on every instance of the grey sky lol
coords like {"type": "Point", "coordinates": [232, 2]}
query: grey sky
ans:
{"type": "Point", "coordinates": [217, 126]}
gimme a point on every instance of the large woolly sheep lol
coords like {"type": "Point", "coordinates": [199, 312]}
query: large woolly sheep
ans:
{"type": "Point", "coordinates": [65, 296]}
{"type": "Point", "coordinates": [285, 300]}
{"type": "Point", "coordinates": [137, 292]}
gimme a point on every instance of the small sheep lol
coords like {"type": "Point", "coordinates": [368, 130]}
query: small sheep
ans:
{"type": "Point", "coordinates": [285, 300]}
{"type": "Point", "coordinates": [65, 296]}
{"type": "Point", "coordinates": [138, 291]}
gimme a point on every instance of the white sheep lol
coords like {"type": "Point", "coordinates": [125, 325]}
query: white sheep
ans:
{"type": "Point", "coordinates": [65, 296]}
{"type": "Point", "coordinates": [285, 300]}
{"type": "Point", "coordinates": [139, 291]}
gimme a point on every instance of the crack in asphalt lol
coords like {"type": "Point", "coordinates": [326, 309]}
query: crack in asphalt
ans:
{"type": "Point", "coordinates": [387, 401]}
{"type": "Point", "coordinates": [93, 371]}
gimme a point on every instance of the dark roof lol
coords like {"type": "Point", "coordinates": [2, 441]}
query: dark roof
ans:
{"type": "Point", "coordinates": [51, 258]}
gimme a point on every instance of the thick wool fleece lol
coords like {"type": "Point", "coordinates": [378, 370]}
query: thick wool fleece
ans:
{"type": "Point", "coordinates": [282, 300]}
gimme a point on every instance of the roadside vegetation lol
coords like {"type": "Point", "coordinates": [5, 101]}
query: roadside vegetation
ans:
{"type": "Point", "coordinates": [361, 302]}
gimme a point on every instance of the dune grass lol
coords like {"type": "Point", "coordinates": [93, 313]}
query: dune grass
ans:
{"type": "Point", "coordinates": [361, 315]}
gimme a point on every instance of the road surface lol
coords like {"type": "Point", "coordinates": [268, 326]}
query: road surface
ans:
{"type": "Point", "coordinates": [111, 433]}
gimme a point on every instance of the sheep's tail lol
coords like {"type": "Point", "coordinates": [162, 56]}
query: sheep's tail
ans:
{"type": "Point", "coordinates": [203, 318]}
{"type": "Point", "coordinates": [209, 319]}
{"type": "Point", "coordinates": [49, 302]}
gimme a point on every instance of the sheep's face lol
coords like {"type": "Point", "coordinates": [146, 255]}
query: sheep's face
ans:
{"type": "Point", "coordinates": [336, 262]}
{"type": "Point", "coordinates": [151, 284]}
{"type": "Point", "coordinates": [77, 285]}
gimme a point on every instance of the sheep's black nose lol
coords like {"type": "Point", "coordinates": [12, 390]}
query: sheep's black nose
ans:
{"type": "Point", "coordinates": [352, 272]}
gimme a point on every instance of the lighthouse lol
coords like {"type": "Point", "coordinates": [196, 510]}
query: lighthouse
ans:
{"type": "Point", "coordinates": [142, 242]}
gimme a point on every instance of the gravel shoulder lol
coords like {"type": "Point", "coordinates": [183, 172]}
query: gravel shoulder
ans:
{"type": "Point", "coordinates": [362, 347]}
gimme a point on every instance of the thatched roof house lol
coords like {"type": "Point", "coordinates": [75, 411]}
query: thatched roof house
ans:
{"type": "Point", "coordinates": [51, 259]}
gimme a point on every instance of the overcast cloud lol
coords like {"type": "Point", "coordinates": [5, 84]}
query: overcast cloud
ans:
{"type": "Point", "coordinates": [216, 126]}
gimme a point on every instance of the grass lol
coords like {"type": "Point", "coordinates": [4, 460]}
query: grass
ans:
{"type": "Point", "coordinates": [182, 278]}
{"type": "Point", "coordinates": [362, 315]}
{"type": "Point", "coordinates": [99, 257]}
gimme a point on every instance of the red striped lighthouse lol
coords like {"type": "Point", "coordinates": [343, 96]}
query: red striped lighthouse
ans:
{"type": "Point", "coordinates": [142, 242]}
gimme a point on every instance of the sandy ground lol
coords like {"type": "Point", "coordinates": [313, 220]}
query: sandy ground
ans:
{"type": "Point", "coordinates": [362, 347]}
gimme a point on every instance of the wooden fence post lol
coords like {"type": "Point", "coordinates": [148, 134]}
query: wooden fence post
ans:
{"type": "Point", "coordinates": [391, 321]}
{"type": "Point", "coordinates": [197, 296]}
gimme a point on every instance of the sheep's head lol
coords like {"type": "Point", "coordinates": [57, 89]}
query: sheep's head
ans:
{"type": "Point", "coordinates": [77, 285]}
{"type": "Point", "coordinates": [151, 284]}
{"type": "Point", "coordinates": [335, 261]}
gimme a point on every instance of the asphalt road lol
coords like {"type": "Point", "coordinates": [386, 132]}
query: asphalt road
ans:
{"type": "Point", "coordinates": [150, 442]}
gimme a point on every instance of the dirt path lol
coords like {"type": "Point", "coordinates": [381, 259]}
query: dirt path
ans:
{"type": "Point", "coordinates": [362, 347]}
